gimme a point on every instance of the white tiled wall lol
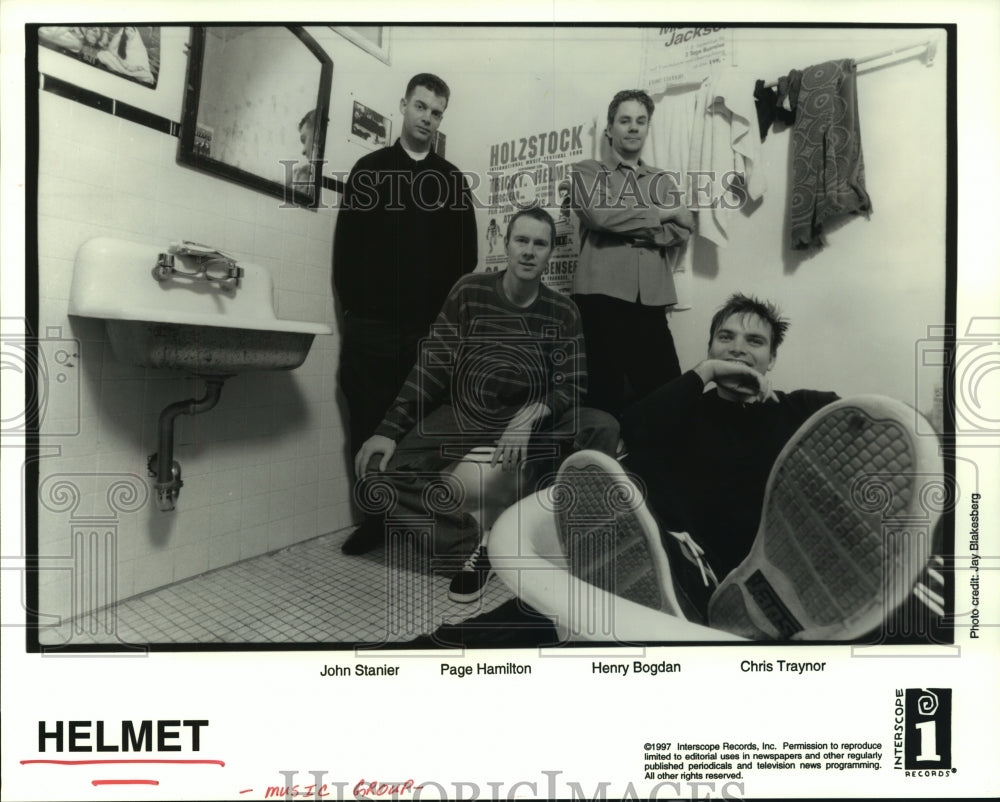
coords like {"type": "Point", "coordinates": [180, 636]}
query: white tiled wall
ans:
{"type": "Point", "coordinates": [264, 468]}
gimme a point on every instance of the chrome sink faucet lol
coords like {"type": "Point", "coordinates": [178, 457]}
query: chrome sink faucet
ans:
{"type": "Point", "coordinates": [209, 265]}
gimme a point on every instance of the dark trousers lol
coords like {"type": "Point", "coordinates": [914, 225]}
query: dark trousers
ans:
{"type": "Point", "coordinates": [625, 340]}
{"type": "Point", "coordinates": [375, 359]}
{"type": "Point", "coordinates": [415, 484]}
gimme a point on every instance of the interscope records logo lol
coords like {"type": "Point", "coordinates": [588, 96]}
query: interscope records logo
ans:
{"type": "Point", "coordinates": [922, 732]}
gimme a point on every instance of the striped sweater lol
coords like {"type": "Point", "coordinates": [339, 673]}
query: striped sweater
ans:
{"type": "Point", "coordinates": [489, 358]}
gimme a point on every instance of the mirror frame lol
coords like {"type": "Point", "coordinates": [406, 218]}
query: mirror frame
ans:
{"type": "Point", "coordinates": [192, 95]}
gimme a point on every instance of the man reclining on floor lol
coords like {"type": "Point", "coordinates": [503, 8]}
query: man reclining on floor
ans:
{"type": "Point", "coordinates": [802, 503]}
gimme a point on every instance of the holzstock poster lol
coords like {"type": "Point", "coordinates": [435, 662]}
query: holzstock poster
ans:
{"type": "Point", "coordinates": [532, 167]}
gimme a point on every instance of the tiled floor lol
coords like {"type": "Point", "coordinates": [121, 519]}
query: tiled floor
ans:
{"type": "Point", "coordinates": [307, 593]}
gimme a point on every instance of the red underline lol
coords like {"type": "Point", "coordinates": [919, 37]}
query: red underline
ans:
{"type": "Point", "coordinates": [132, 760]}
{"type": "Point", "coordinates": [124, 782]}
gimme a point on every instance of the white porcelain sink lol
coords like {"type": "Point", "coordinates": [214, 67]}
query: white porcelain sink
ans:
{"type": "Point", "coordinates": [182, 322]}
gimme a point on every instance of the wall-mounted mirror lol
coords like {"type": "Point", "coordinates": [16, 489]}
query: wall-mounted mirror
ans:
{"type": "Point", "coordinates": [255, 108]}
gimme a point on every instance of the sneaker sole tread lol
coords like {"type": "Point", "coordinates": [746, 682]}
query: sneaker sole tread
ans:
{"type": "Point", "coordinates": [833, 554]}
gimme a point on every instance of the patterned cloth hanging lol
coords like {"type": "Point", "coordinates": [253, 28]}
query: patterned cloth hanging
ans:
{"type": "Point", "coordinates": [828, 170]}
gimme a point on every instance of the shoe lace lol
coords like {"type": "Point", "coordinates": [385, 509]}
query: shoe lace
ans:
{"type": "Point", "coordinates": [471, 562]}
{"type": "Point", "coordinates": [696, 554]}
{"type": "Point", "coordinates": [925, 590]}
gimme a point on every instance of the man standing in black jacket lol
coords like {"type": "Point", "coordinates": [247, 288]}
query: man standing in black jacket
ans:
{"type": "Point", "coordinates": [406, 231]}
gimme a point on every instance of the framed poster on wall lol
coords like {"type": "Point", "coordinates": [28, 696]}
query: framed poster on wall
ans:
{"type": "Point", "coordinates": [129, 51]}
{"type": "Point", "coordinates": [369, 128]}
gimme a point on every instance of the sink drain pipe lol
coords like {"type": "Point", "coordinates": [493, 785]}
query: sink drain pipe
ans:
{"type": "Point", "coordinates": [162, 464]}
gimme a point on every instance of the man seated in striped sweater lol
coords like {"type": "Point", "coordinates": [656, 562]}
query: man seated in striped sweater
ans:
{"type": "Point", "coordinates": [503, 367]}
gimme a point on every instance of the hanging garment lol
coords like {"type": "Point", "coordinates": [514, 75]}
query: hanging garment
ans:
{"type": "Point", "coordinates": [828, 171]}
{"type": "Point", "coordinates": [766, 101]}
{"type": "Point", "coordinates": [670, 130]}
{"type": "Point", "coordinates": [725, 146]}
{"type": "Point", "coordinates": [776, 103]}
{"type": "Point", "coordinates": [670, 143]}
{"type": "Point", "coordinates": [705, 130]}
{"type": "Point", "coordinates": [788, 96]}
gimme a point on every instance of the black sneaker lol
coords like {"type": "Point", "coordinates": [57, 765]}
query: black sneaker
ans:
{"type": "Point", "coordinates": [843, 533]}
{"type": "Point", "coordinates": [367, 537]}
{"type": "Point", "coordinates": [469, 584]}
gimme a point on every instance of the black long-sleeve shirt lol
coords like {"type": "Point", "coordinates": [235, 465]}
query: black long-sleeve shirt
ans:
{"type": "Point", "coordinates": [406, 231]}
{"type": "Point", "coordinates": [705, 461]}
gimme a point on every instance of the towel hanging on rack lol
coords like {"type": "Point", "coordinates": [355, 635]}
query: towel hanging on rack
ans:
{"type": "Point", "coordinates": [828, 170]}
